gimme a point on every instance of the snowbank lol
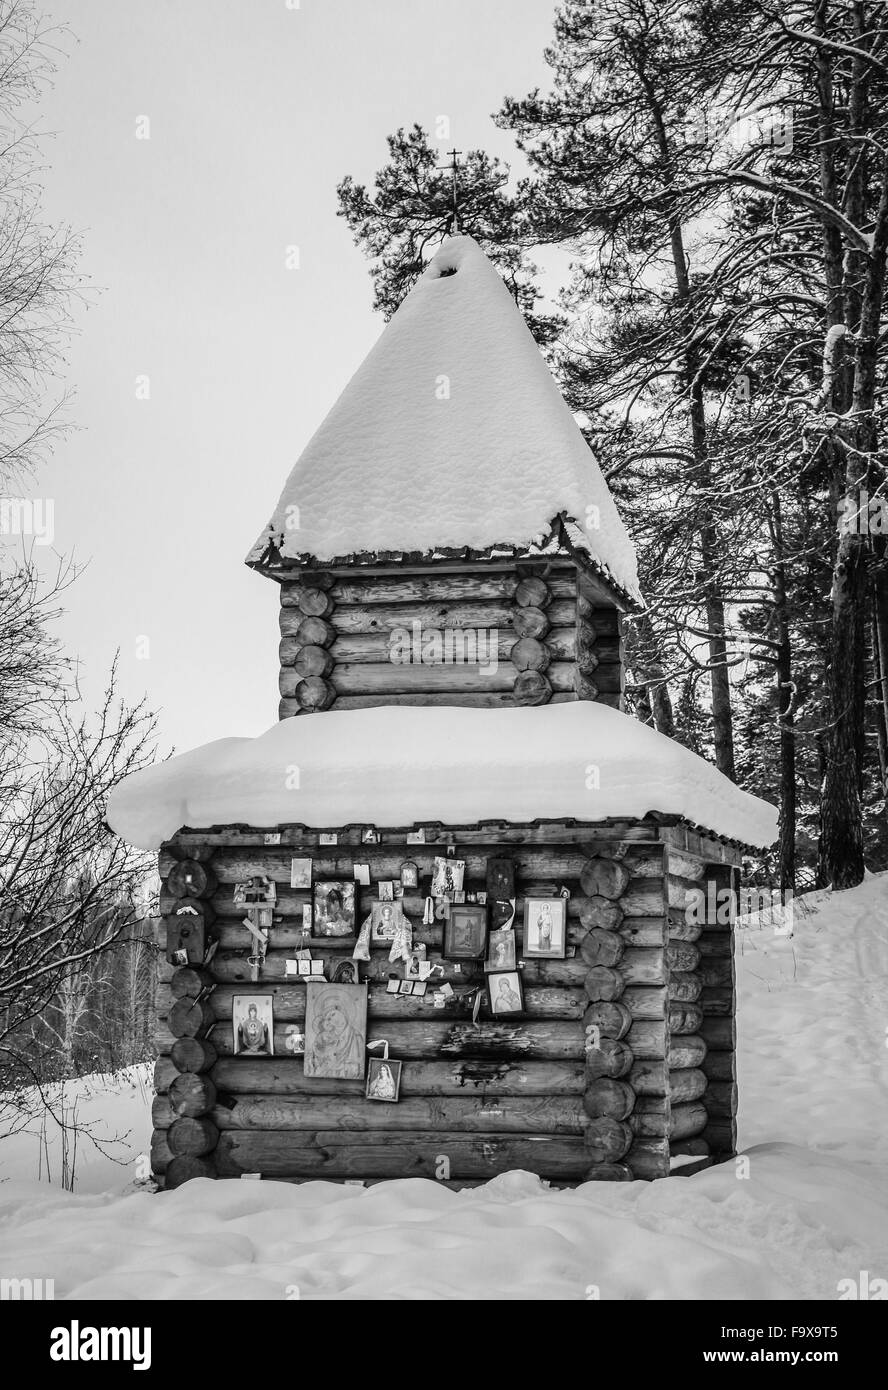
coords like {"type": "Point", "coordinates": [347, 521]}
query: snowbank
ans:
{"type": "Point", "coordinates": [797, 1218]}
{"type": "Point", "coordinates": [451, 433]}
{"type": "Point", "coordinates": [393, 766]}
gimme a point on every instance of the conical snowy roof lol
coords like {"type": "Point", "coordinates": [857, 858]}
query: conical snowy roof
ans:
{"type": "Point", "coordinates": [452, 434]}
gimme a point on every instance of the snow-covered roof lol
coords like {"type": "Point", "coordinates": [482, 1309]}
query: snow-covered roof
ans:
{"type": "Point", "coordinates": [395, 766]}
{"type": "Point", "coordinates": [451, 434]}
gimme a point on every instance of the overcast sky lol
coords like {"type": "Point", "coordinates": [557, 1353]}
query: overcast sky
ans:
{"type": "Point", "coordinates": [256, 111]}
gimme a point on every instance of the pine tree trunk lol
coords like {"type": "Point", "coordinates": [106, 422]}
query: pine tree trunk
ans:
{"type": "Point", "coordinates": [785, 716]}
{"type": "Point", "coordinates": [841, 850]}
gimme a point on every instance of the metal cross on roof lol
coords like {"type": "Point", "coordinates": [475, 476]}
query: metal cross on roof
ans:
{"type": "Point", "coordinates": [454, 190]}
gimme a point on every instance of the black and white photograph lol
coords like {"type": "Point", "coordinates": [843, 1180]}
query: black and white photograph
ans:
{"type": "Point", "coordinates": [300, 873]}
{"type": "Point", "coordinates": [501, 951]}
{"type": "Point", "coordinates": [383, 1079]}
{"type": "Point", "coordinates": [444, 609]}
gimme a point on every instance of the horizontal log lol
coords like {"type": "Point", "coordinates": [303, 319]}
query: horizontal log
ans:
{"type": "Point", "coordinates": [643, 898]}
{"type": "Point", "coordinates": [682, 956]}
{"type": "Point", "coordinates": [686, 1084]}
{"type": "Point", "coordinates": [650, 1118]}
{"type": "Point", "coordinates": [161, 1154]}
{"type": "Point", "coordinates": [613, 1020]}
{"type": "Point", "coordinates": [607, 1140]}
{"type": "Point", "coordinates": [189, 981]}
{"type": "Point", "coordinates": [647, 1040]}
{"type": "Point", "coordinates": [605, 878]}
{"type": "Point", "coordinates": [717, 1001]}
{"type": "Point", "coordinates": [695, 1148]}
{"type": "Point", "coordinates": [185, 1167]}
{"type": "Point", "coordinates": [192, 1136]}
{"type": "Point", "coordinates": [189, 878]}
{"type": "Point", "coordinates": [650, 1078]}
{"type": "Point", "coordinates": [645, 1001]}
{"type": "Point", "coordinates": [192, 1094]}
{"type": "Point", "coordinates": [430, 588]}
{"type": "Point", "coordinates": [602, 947]}
{"type": "Point", "coordinates": [597, 836]}
{"type": "Point", "coordinates": [719, 1066]}
{"type": "Point", "coordinates": [419, 1154]}
{"type": "Point", "coordinates": [235, 969]}
{"type": "Point", "coordinates": [162, 1113]}
{"type": "Point", "coordinates": [643, 931]}
{"type": "Point", "coordinates": [476, 699]}
{"type": "Point", "coordinates": [350, 678]}
{"type": "Point", "coordinates": [680, 930]}
{"type": "Point", "coordinates": [607, 1096]}
{"type": "Point", "coordinates": [721, 1136]}
{"type": "Point", "coordinates": [608, 1172]}
{"type": "Point", "coordinates": [715, 945]}
{"type": "Point", "coordinates": [430, 1038]}
{"type": "Point", "coordinates": [533, 862]}
{"type": "Point", "coordinates": [472, 1114]}
{"type": "Point", "coordinates": [684, 988]}
{"type": "Point", "coordinates": [189, 1018]}
{"type": "Point", "coordinates": [684, 1018]}
{"type": "Point", "coordinates": [369, 648]}
{"type": "Point", "coordinates": [686, 1121]}
{"type": "Point", "coordinates": [252, 1076]}
{"type": "Point", "coordinates": [455, 613]}
{"type": "Point", "coordinates": [289, 1002]}
{"type": "Point", "coordinates": [719, 1034]}
{"type": "Point", "coordinates": [193, 1054]}
{"type": "Point", "coordinates": [720, 1099]}
{"type": "Point", "coordinates": [649, 1158]}
{"type": "Point", "coordinates": [602, 984]}
{"type": "Point", "coordinates": [308, 631]}
{"type": "Point", "coordinates": [716, 972]}
{"type": "Point", "coordinates": [688, 1051]}
{"type": "Point", "coordinates": [609, 1058]}
{"type": "Point", "coordinates": [683, 865]}
{"type": "Point", "coordinates": [164, 1073]}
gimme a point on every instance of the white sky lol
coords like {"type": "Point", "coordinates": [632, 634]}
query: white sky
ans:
{"type": "Point", "coordinates": [256, 112]}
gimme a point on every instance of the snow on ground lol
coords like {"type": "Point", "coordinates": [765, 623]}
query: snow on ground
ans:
{"type": "Point", "coordinates": [814, 1209]}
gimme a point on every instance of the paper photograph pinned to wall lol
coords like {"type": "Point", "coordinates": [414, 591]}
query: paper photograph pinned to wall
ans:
{"type": "Point", "coordinates": [300, 873]}
{"type": "Point", "coordinates": [336, 1031]}
{"type": "Point", "coordinates": [501, 950]}
{"type": "Point", "coordinates": [383, 1079]}
{"type": "Point", "coordinates": [447, 877]}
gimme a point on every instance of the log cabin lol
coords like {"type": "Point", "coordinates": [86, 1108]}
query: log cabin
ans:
{"type": "Point", "coordinates": [447, 543]}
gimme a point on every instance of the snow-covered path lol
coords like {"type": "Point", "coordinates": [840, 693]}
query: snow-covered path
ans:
{"type": "Point", "coordinates": [809, 1209]}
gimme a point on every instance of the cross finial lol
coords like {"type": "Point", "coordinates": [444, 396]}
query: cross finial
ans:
{"type": "Point", "coordinates": [454, 191]}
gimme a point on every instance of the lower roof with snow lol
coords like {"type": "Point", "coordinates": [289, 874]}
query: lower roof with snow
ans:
{"type": "Point", "coordinates": [451, 435]}
{"type": "Point", "coordinates": [393, 766]}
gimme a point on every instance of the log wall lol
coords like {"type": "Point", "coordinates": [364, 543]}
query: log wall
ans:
{"type": "Point", "coordinates": [622, 1059]}
{"type": "Point", "coordinates": [549, 633]}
